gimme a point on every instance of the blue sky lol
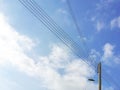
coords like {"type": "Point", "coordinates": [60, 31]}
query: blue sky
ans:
{"type": "Point", "coordinates": [32, 57]}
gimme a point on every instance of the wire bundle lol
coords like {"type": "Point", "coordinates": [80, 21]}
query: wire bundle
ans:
{"type": "Point", "coordinates": [79, 51]}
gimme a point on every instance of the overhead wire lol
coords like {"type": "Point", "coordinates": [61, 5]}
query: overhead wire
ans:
{"type": "Point", "coordinates": [76, 24]}
{"type": "Point", "coordinates": [110, 79]}
{"type": "Point", "coordinates": [52, 26]}
{"type": "Point", "coordinates": [58, 33]}
{"type": "Point", "coordinates": [63, 37]}
{"type": "Point", "coordinates": [79, 31]}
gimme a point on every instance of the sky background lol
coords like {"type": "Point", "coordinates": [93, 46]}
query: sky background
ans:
{"type": "Point", "coordinates": [33, 58]}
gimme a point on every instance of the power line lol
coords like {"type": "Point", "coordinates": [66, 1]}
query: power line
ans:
{"type": "Point", "coordinates": [110, 79]}
{"type": "Point", "coordinates": [40, 14]}
{"type": "Point", "coordinates": [79, 31]}
{"type": "Point", "coordinates": [65, 37]}
{"type": "Point", "coordinates": [77, 25]}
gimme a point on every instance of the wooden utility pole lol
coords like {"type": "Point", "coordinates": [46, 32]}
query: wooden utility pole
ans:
{"type": "Point", "coordinates": [99, 76]}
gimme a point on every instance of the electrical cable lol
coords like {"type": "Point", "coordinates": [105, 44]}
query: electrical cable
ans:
{"type": "Point", "coordinates": [48, 24]}
{"type": "Point", "coordinates": [76, 24]}
{"type": "Point", "coordinates": [62, 36]}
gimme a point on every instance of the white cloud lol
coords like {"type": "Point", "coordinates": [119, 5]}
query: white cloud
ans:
{"type": "Point", "coordinates": [110, 88]}
{"type": "Point", "coordinates": [63, 15]}
{"type": "Point", "coordinates": [117, 59]}
{"type": "Point", "coordinates": [102, 10]}
{"type": "Point", "coordinates": [109, 57]}
{"type": "Point", "coordinates": [99, 26]}
{"type": "Point", "coordinates": [104, 4]}
{"type": "Point", "coordinates": [7, 84]}
{"type": "Point", "coordinates": [108, 53]}
{"type": "Point", "coordinates": [94, 56]}
{"type": "Point", "coordinates": [74, 72]}
{"type": "Point", "coordinates": [13, 46]}
{"type": "Point", "coordinates": [60, 10]}
{"type": "Point", "coordinates": [115, 22]}
{"type": "Point", "coordinates": [108, 50]}
{"type": "Point", "coordinates": [84, 39]}
{"type": "Point", "coordinates": [57, 71]}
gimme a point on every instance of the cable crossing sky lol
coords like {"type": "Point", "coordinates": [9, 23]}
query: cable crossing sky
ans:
{"type": "Point", "coordinates": [78, 50]}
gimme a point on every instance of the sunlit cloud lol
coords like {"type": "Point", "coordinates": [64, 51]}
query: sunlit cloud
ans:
{"type": "Point", "coordinates": [99, 26]}
{"type": "Point", "coordinates": [109, 56]}
{"type": "Point", "coordinates": [58, 70]}
{"type": "Point", "coordinates": [115, 22]}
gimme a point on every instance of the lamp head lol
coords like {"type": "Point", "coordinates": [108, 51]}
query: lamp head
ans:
{"type": "Point", "coordinates": [91, 79]}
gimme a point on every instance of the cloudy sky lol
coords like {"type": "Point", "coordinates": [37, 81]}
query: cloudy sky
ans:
{"type": "Point", "coordinates": [34, 58]}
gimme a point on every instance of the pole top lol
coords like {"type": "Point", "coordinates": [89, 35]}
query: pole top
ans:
{"type": "Point", "coordinates": [99, 67]}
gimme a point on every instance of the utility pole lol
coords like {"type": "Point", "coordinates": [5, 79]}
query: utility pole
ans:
{"type": "Point", "coordinates": [99, 76]}
{"type": "Point", "coordinates": [99, 70]}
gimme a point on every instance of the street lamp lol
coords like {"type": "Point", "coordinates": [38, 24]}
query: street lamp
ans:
{"type": "Point", "coordinates": [91, 80]}
{"type": "Point", "coordinates": [99, 77]}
